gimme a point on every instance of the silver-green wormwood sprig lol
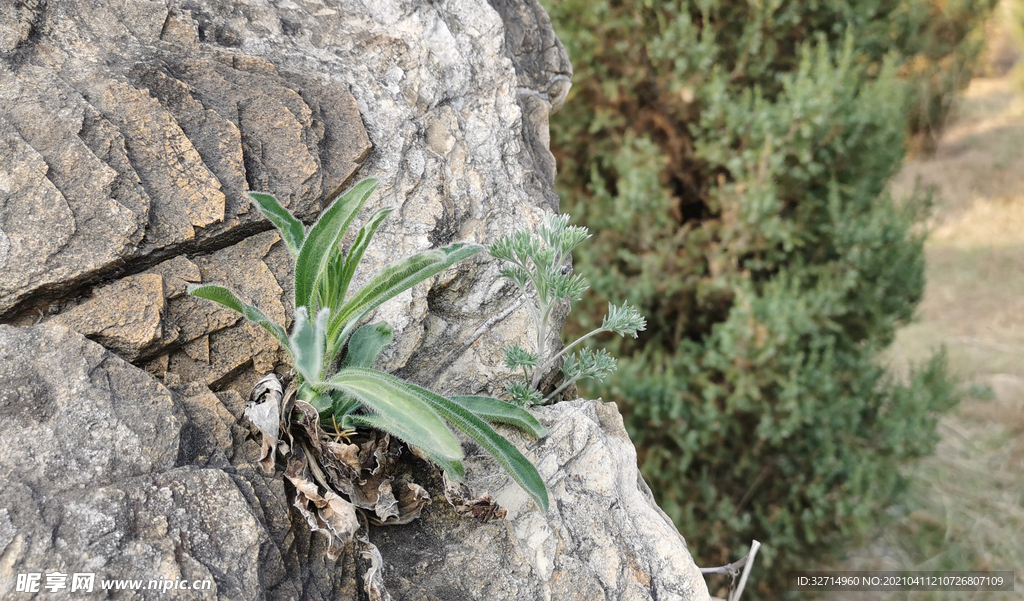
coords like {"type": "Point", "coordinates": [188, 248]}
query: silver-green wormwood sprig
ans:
{"type": "Point", "coordinates": [538, 265]}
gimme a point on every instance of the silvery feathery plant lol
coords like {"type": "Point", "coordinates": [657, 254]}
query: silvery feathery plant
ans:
{"type": "Point", "coordinates": [333, 353]}
{"type": "Point", "coordinates": [538, 265]}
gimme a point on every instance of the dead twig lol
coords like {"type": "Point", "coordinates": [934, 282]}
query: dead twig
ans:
{"type": "Point", "coordinates": [754, 546]}
{"type": "Point", "coordinates": [734, 569]}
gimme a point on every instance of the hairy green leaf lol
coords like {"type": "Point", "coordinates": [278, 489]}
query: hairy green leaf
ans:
{"type": "Point", "coordinates": [538, 265]}
{"type": "Point", "coordinates": [408, 415]}
{"type": "Point", "coordinates": [517, 248]}
{"type": "Point", "coordinates": [367, 343]}
{"type": "Point", "coordinates": [519, 276]}
{"type": "Point", "coordinates": [388, 283]}
{"type": "Point", "coordinates": [521, 394]}
{"type": "Point", "coordinates": [623, 319]}
{"type": "Point", "coordinates": [568, 286]}
{"type": "Point", "coordinates": [355, 254]}
{"type": "Point", "coordinates": [343, 404]}
{"type": "Point", "coordinates": [588, 363]}
{"type": "Point", "coordinates": [307, 343]}
{"type": "Point", "coordinates": [507, 456]}
{"type": "Point", "coordinates": [223, 296]}
{"type": "Point", "coordinates": [517, 357]}
{"type": "Point", "coordinates": [454, 469]}
{"type": "Point", "coordinates": [323, 403]}
{"type": "Point", "coordinates": [332, 288]}
{"type": "Point", "coordinates": [495, 410]}
{"type": "Point", "coordinates": [561, 237]}
{"type": "Point", "coordinates": [292, 231]}
{"type": "Point", "coordinates": [322, 241]}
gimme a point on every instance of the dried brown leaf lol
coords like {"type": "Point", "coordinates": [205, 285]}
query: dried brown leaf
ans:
{"type": "Point", "coordinates": [483, 508]}
{"type": "Point", "coordinates": [340, 463]}
{"type": "Point", "coordinates": [333, 478]}
{"type": "Point", "coordinates": [305, 490]}
{"type": "Point", "coordinates": [406, 507]}
{"type": "Point", "coordinates": [264, 406]}
{"type": "Point", "coordinates": [387, 505]}
{"type": "Point", "coordinates": [340, 519]}
{"type": "Point", "coordinates": [376, 455]}
{"type": "Point", "coordinates": [329, 512]}
{"type": "Point", "coordinates": [347, 454]}
{"type": "Point", "coordinates": [264, 410]}
{"type": "Point", "coordinates": [373, 579]}
{"type": "Point", "coordinates": [308, 423]}
{"type": "Point", "coordinates": [412, 498]}
{"type": "Point", "coordinates": [267, 459]}
{"type": "Point", "coordinates": [377, 452]}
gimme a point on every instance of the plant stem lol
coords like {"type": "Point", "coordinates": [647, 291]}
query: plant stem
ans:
{"type": "Point", "coordinates": [542, 347]}
{"type": "Point", "coordinates": [561, 388]}
{"type": "Point", "coordinates": [567, 348]}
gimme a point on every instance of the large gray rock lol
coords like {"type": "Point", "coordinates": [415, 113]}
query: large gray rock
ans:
{"type": "Point", "coordinates": [105, 471]}
{"type": "Point", "coordinates": [129, 132]}
{"type": "Point", "coordinates": [602, 538]}
{"type": "Point", "coordinates": [89, 479]}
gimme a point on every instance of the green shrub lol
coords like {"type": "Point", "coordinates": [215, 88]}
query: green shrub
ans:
{"type": "Point", "coordinates": [732, 160]}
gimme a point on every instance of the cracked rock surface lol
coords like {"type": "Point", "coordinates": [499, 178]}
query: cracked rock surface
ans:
{"type": "Point", "coordinates": [602, 538]}
{"type": "Point", "coordinates": [129, 133]}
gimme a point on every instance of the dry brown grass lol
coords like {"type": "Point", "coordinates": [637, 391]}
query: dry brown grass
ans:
{"type": "Point", "coordinates": [965, 508]}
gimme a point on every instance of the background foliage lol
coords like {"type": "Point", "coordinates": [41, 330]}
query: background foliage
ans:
{"type": "Point", "coordinates": [732, 159]}
{"type": "Point", "coordinates": [1013, 12]}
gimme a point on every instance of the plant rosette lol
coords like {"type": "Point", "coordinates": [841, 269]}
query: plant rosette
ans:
{"type": "Point", "coordinates": [338, 421]}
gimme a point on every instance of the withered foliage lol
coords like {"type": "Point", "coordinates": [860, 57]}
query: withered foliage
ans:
{"type": "Point", "coordinates": [483, 508]}
{"type": "Point", "coordinates": [339, 474]}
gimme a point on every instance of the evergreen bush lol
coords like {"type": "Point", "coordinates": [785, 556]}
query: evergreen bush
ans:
{"type": "Point", "coordinates": [732, 160]}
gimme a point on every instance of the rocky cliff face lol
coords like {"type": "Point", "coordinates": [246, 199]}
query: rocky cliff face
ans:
{"type": "Point", "coordinates": [129, 132]}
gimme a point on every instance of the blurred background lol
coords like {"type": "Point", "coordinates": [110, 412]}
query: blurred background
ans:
{"type": "Point", "coordinates": [819, 206]}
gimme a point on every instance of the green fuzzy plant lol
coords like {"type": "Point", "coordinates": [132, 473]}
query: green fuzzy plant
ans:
{"type": "Point", "coordinates": [333, 353]}
{"type": "Point", "coordinates": [538, 266]}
